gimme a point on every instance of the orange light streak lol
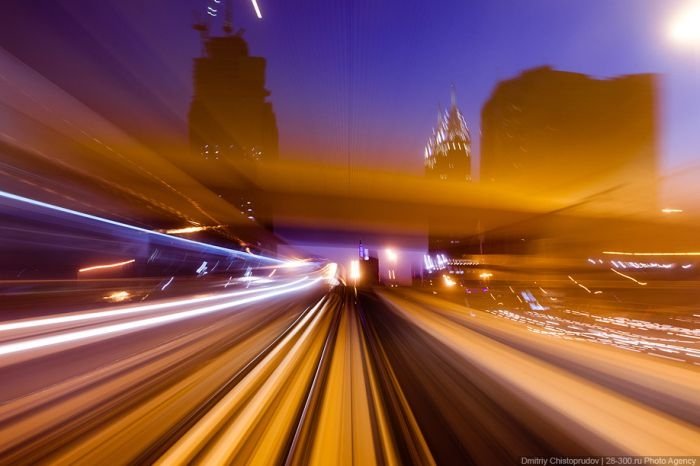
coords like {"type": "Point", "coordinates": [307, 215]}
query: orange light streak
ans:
{"type": "Point", "coordinates": [106, 266]}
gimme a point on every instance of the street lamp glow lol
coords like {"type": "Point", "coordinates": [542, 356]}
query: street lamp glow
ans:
{"type": "Point", "coordinates": [355, 270]}
{"type": "Point", "coordinates": [685, 28]}
{"type": "Point", "coordinates": [391, 255]}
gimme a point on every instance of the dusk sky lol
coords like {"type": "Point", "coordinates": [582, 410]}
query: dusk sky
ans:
{"type": "Point", "coordinates": [357, 78]}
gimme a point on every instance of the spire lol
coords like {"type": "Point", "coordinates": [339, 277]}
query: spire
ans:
{"type": "Point", "coordinates": [453, 95]}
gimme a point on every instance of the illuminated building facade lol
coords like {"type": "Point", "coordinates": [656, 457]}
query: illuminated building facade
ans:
{"type": "Point", "coordinates": [448, 151]}
{"type": "Point", "coordinates": [448, 158]}
{"type": "Point", "coordinates": [567, 133]}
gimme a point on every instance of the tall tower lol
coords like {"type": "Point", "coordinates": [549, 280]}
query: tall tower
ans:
{"type": "Point", "coordinates": [448, 158]}
{"type": "Point", "coordinates": [448, 151]}
{"type": "Point", "coordinates": [230, 116]}
{"type": "Point", "coordinates": [232, 125]}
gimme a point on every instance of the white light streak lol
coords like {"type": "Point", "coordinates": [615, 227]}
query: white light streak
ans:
{"type": "Point", "coordinates": [257, 9]}
{"type": "Point", "coordinates": [354, 270]}
{"type": "Point", "coordinates": [185, 230]}
{"type": "Point", "coordinates": [43, 342]}
{"type": "Point", "coordinates": [579, 284]}
{"type": "Point", "coordinates": [23, 324]}
{"type": "Point", "coordinates": [175, 239]}
{"type": "Point", "coordinates": [167, 284]}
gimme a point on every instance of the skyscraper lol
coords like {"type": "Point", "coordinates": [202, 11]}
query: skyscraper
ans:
{"type": "Point", "coordinates": [448, 151]}
{"type": "Point", "coordinates": [562, 133]}
{"type": "Point", "coordinates": [230, 116]}
{"type": "Point", "coordinates": [232, 125]}
{"type": "Point", "coordinates": [447, 158]}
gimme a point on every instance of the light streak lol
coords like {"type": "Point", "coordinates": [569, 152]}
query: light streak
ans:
{"type": "Point", "coordinates": [331, 270]}
{"type": "Point", "coordinates": [579, 284]}
{"type": "Point", "coordinates": [295, 263]}
{"type": "Point", "coordinates": [23, 324]}
{"type": "Point", "coordinates": [628, 277]}
{"type": "Point", "coordinates": [671, 211]}
{"type": "Point", "coordinates": [117, 296]}
{"type": "Point", "coordinates": [620, 253]}
{"type": "Point", "coordinates": [168, 283]}
{"type": "Point", "coordinates": [106, 266]}
{"type": "Point", "coordinates": [179, 231]}
{"type": "Point", "coordinates": [257, 9]}
{"type": "Point", "coordinates": [643, 265]}
{"type": "Point", "coordinates": [175, 239]}
{"type": "Point", "coordinates": [71, 337]}
{"type": "Point", "coordinates": [355, 270]}
{"type": "Point", "coordinates": [449, 282]}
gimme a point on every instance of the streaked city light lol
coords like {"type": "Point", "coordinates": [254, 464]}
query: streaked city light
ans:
{"type": "Point", "coordinates": [185, 230]}
{"type": "Point", "coordinates": [117, 296]}
{"type": "Point", "coordinates": [354, 270]}
{"type": "Point", "coordinates": [257, 9]}
{"type": "Point", "coordinates": [42, 342]}
{"type": "Point", "coordinates": [88, 316]}
{"type": "Point", "coordinates": [628, 277]}
{"type": "Point", "coordinates": [449, 282]}
{"type": "Point", "coordinates": [167, 284]}
{"type": "Point", "coordinates": [296, 263]}
{"type": "Point", "coordinates": [621, 253]}
{"type": "Point", "coordinates": [183, 241]}
{"type": "Point", "coordinates": [107, 266]}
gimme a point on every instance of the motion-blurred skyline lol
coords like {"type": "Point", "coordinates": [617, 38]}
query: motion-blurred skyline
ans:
{"type": "Point", "coordinates": [370, 77]}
